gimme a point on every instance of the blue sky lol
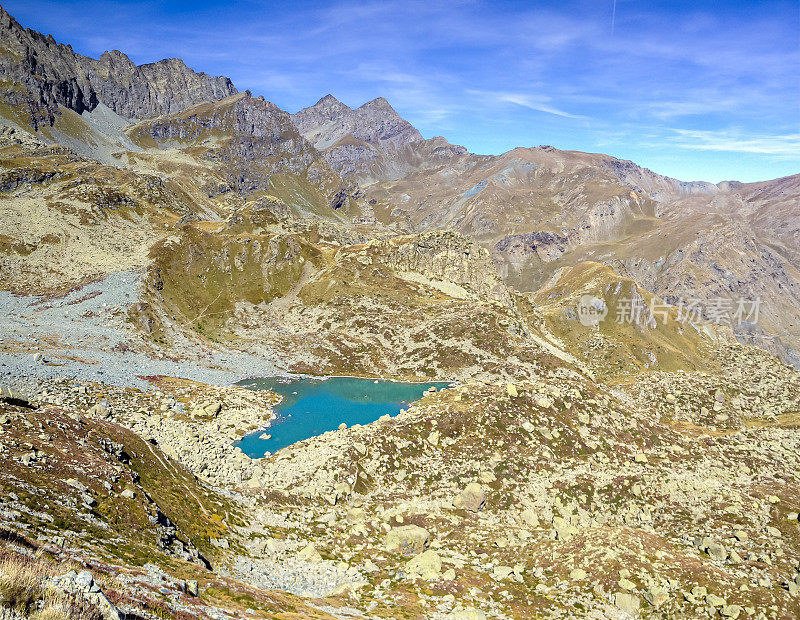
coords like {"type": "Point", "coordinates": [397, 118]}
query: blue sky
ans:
{"type": "Point", "coordinates": [694, 90]}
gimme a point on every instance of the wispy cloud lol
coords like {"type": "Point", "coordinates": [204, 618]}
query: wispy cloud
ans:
{"type": "Point", "coordinates": [535, 103]}
{"type": "Point", "coordinates": [785, 145]}
{"type": "Point", "coordinates": [713, 103]}
{"type": "Point", "coordinates": [539, 103]}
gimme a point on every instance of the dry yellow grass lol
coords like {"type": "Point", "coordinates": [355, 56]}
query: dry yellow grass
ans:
{"type": "Point", "coordinates": [24, 589]}
{"type": "Point", "coordinates": [20, 582]}
{"type": "Point", "coordinates": [52, 611]}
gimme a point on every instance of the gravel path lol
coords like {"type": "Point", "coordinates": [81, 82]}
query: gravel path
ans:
{"type": "Point", "coordinates": [84, 334]}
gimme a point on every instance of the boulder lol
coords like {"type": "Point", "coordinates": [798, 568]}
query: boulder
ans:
{"type": "Point", "coordinates": [627, 602]}
{"type": "Point", "coordinates": [715, 601]}
{"type": "Point", "coordinates": [77, 484]}
{"type": "Point", "coordinates": [341, 490]}
{"type": "Point", "coordinates": [656, 596]}
{"type": "Point", "coordinates": [472, 498]}
{"type": "Point", "coordinates": [487, 477]}
{"type": "Point", "coordinates": [427, 565]}
{"type": "Point", "coordinates": [84, 580]}
{"type": "Point", "coordinates": [356, 515]}
{"type": "Point", "coordinates": [502, 572]}
{"type": "Point", "coordinates": [407, 539]}
{"type": "Point", "coordinates": [526, 425]}
{"type": "Point", "coordinates": [100, 410]}
{"type": "Point", "coordinates": [212, 409]}
{"type": "Point", "coordinates": [626, 584]}
{"type": "Point", "coordinates": [529, 517]}
{"type": "Point", "coordinates": [12, 396]}
{"type": "Point", "coordinates": [309, 553]}
{"type": "Point", "coordinates": [716, 550]}
{"type": "Point", "coordinates": [773, 532]}
{"type": "Point", "coordinates": [563, 530]}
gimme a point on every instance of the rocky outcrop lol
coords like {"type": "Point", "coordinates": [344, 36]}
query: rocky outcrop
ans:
{"type": "Point", "coordinates": [255, 139]}
{"type": "Point", "coordinates": [52, 74]}
{"type": "Point", "coordinates": [656, 186]}
{"type": "Point", "coordinates": [329, 121]}
{"type": "Point", "coordinates": [241, 113]}
{"type": "Point", "coordinates": [448, 257]}
{"type": "Point", "coordinates": [49, 71]}
{"type": "Point", "coordinates": [152, 89]}
{"type": "Point", "coordinates": [548, 246]}
{"type": "Point", "coordinates": [356, 141]}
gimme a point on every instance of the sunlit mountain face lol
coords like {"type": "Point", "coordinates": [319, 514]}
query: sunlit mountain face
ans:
{"type": "Point", "coordinates": [382, 355]}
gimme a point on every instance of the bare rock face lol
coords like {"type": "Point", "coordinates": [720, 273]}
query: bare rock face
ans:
{"type": "Point", "coordinates": [329, 121]}
{"type": "Point", "coordinates": [656, 186]}
{"type": "Point", "coordinates": [48, 71]}
{"type": "Point", "coordinates": [153, 89]}
{"type": "Point", "coordinates": [242, 113]}
{"type": "Point", "coordinates": [259, 138]}
{"type": "Point", "coordinates": [50, 74]}
{"type": "Point", "coordinates": [449, 257]}
{"type": "Point", "coordinates": [548, 246]}
{"type": "Point", "coordinates": [353, 141]}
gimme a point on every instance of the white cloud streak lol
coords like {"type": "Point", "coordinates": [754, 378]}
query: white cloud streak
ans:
{"type": "Point", "coordinates": [786, 145]}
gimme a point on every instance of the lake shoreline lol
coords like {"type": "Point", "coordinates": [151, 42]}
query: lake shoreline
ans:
{"type": "Point", "coordinates": [299, 376]}
{"type": "Point", "coordinates": [310, 406]}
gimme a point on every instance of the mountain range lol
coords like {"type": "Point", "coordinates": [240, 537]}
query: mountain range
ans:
{"type": "Point", "coordinates": [536, 210]}
{"type": "Point", "coordinates": [618, 437]}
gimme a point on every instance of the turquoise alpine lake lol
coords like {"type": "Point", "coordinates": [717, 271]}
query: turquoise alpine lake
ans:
{"type": "Point", "coordinates": [312, 406]}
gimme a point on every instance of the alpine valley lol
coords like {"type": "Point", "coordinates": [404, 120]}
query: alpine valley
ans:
{"type": "Point", "coordinates": [163, 236]}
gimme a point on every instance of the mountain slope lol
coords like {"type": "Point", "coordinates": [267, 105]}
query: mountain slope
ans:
{"type": "Point", "coordinates": [598, 454]}
{"type": "Point", "coordinates": [52, 75]}
{"type": "Point", "coordinates": [353, 140]}
{"type": "Point", "coordinates": [329, 121]}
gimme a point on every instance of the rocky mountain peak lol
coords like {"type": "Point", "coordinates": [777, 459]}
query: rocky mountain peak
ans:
{"type": "Point", "coordinates": [7, 21]}
{"type": "Point", "coordinates": [330, 107]}
{"type": "Point", "coordinates": [379, 103]}
{"type": "Point", "coordinates": [329, 121]}
{"type": "Point", "coordinates": [116, 60]}
{"type": "Point", "coordinates": [52, 75]}
{"type": "Point", "coordinates": [153, 89]}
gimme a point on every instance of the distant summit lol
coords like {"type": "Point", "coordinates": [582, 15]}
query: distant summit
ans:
{"type": "Point", "coordinates": [329, 121]}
